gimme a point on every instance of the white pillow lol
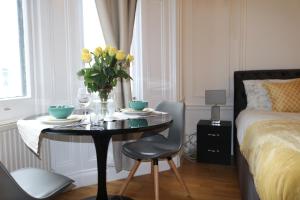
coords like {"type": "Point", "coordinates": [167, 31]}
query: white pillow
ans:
{"type": "Point", "coordinates": [257, 95]}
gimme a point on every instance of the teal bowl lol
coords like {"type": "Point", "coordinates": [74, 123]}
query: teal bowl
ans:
{"type": "Point", "coordinates": [60, 111]}
{"type": "Point", "coordinates": [138, 105]}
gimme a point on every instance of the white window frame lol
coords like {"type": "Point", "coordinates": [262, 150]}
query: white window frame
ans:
{"type": "Point", "coordinates": [12, 109]}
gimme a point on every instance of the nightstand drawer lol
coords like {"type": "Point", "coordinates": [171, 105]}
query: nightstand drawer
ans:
{"type": "Point", "coordinates": [214, 131]}
{"type": "Point", "coordinates": [214, 153]}
{"type": "Point", "coordinates": [214, 134]}
{"type": "Point", "coordinates": [213, 156]}
{"type": "Point", "coordinates": [214, 148]}
{"type": "Point", "coordinates": [213, 138]}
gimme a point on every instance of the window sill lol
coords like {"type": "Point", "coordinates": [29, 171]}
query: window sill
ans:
{"type": "Point", "coordinates": [6, 125]}
{"type": "Point", "coordinates": [15, 98]}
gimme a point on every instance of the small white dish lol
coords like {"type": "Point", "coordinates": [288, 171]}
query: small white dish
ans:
{"type": "Point", "coordinates": [53, 121]}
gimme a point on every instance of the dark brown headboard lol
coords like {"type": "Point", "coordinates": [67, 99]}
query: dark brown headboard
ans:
{"type": "Point", "coordinates": [240, 99]}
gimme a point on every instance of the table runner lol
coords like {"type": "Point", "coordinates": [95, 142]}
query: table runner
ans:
{"type": "Point", "coordinates": [30, 131]}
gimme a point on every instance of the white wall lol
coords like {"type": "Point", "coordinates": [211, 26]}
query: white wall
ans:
{"type": "Point", "coordinates": [222, 36]}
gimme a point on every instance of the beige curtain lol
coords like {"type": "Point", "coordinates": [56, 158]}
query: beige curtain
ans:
{"type": "Point", "coordinates": [117, 20]}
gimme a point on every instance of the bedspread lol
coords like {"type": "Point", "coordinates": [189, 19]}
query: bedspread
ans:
{"type": "Point", "coordinates": [272, 149]}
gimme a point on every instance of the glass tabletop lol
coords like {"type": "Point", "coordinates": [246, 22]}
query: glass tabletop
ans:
{"type": "Point", "coordinates": [145, 123]}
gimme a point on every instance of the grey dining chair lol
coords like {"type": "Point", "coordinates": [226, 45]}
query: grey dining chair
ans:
{"type": "Point", "coordinates": [154, 146]}
{"type": "Point", "coordinates": [31, 184]}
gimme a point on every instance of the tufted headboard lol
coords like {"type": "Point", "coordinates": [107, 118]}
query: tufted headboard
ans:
{"type": "Point", "coordinates": [240, 99]}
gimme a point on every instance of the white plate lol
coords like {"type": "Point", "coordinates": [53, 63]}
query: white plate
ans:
{"type": "Point", "coordinates": [51, 120]}
{"type": "Point", "coordinates": [130, 111]}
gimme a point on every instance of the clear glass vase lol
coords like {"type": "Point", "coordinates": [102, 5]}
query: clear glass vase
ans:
{"type": "Point", "coordinates": [101, 109]}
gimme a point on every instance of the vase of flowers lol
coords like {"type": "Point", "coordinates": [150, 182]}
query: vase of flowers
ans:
{"type": "Point", "coordinates": [103, 69]}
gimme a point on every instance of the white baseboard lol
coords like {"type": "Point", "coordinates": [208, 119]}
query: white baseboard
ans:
{"type": "Point", "coordinates": [84, 177]}
{"type": "Point", "coordinates": [89, 177]}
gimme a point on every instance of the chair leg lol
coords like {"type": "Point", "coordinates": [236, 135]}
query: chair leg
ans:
{"type": "Point", "coordinates": [131, 174]}
{"type": "Point", "coordinates": [152, 168]}
{"type": "Point", "coordinates": [156, 184]}
{"type": "Point", "coordinates": [179, 178]}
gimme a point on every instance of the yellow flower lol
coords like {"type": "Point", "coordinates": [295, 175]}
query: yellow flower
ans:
{"type": "Point", "coordinates": [84, 50]}
{"type": "Point", "coordinates": [107, 48]}
{"type": "Point", "coordinates": [120, 55]}
{"type": "Point", "coordinates": [112, 51]}
{"type": "Point", "coordinates": [86, 57]}
{"type": "Point", "coordinates": [129, 58]}
{"type": "Point", "coordinates": [98, 51]}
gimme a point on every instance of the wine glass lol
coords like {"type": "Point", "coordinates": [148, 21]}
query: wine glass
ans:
{"type": "Point", "coordinates": [83, 97]}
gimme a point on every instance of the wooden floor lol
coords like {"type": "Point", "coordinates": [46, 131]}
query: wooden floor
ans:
{"type": "Point", "coordinates": [205, 182]}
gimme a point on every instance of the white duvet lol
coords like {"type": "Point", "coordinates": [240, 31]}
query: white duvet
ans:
{"type": "Point", "coordinates": [248, 117]}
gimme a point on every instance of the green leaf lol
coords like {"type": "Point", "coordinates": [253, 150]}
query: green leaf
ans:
{"type": "Point", "coordinates": [94, 74]}
{"type": "Point", "coordinates": [81, 72]}
{"type": "Point", "coordinates": [114, 82]}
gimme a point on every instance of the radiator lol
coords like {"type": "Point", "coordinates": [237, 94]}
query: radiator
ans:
{"type": "Point", "coordinates": [14, 154]}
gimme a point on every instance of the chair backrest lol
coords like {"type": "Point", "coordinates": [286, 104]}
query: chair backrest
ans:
{"type": "Point", "coordinates": [176, 131]}
{"type": "Point", "coordinates": [9, 187]}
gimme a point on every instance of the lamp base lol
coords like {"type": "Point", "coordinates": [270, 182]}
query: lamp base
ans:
{"type": "Point", "coordinates": [215, 115]}
{"type": "Point", "coordinates": [216, 123]}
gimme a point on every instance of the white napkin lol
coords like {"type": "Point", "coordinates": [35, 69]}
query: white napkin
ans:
{"type": "Point", "coordinates": [30, 131]}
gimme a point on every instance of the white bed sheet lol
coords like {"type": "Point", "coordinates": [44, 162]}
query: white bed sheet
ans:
{"type": "Point", "coordinates": [248, 117]}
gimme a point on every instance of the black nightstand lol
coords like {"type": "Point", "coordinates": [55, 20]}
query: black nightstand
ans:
{"type": "Point", "coordinates": [214, 142]}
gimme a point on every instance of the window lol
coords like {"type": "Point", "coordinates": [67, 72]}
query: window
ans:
{"type": "Point", "coordinates": [13, 80]}
{"type": "Point", "coordinates": [18, 44]}
{"type": "Point", "coordinates": [93, 36]}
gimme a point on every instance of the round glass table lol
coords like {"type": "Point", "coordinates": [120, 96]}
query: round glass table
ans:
{"type": "Point", "coordinates": [101, 136]}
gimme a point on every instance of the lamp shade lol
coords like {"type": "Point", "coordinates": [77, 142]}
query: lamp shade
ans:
{"type": "Point", "coordinates": [215, 97]}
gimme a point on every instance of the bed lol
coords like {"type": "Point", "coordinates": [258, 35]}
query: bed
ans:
{"type": "Point", "coordinates": [247, 187]}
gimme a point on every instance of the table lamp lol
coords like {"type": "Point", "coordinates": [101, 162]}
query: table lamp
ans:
{"type": "Point", "coordinates": [215, 98]}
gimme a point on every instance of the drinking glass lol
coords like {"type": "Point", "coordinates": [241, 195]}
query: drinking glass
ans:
{"type": "Point", "coordinates": [83, 97]}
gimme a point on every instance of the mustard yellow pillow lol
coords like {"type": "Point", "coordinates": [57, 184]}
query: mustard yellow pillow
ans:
{"type": "Point", "coordinates": [285, 97]}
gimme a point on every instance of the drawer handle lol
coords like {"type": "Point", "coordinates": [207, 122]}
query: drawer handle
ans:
{"type": "Point", "coordinates": [214, 135]}
{"type": "Point", "coordinates": [213, 150]}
